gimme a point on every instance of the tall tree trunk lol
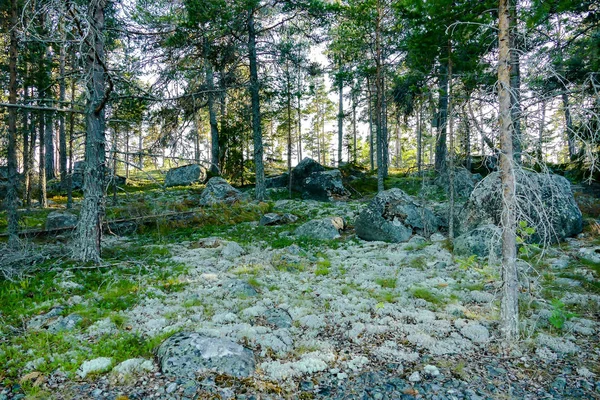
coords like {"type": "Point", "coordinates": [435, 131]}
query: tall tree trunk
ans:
{"type": "Point", "coordinates": [340, 116]}
{"type": "Point", "coordinates": [71, 140]}
{"type": "Point", "coordinates": [354, 132]}
{"type": "Point", "coordinates": [289, 126]}
{"type": "Point", "coordinates": [89, 227]}
{"type": "Point", "coordinates": [371, 141]}
{"type": "Point", "coordinates": [13, 180]}
{"type": "Point", "coordinates": [540, 153]}
{"type": "Point", "coordinates": [450, 147]}
{"type": "Point", "coordinates": [385, 142]}
{"type": "Point", "coordinates": [141, 149]}
{"type": "Point", "coordinates": [26, 141]}
{"type": "Point", "coordinates": [256, 117]}
{"type": "Point", "coordinates": [42, 173]}
{"type": "Point", "coordinates": [441, 121]}
{"type": "Point", "coordinates": [31, 157]}
{"type": "Point", "coordinates": [212, 116]}
{"type": "Point", "coordinates": [420, 137]}
{"type": "Point", "coordinates": [467, 139]}
{"type": "Point", "coordinates": [49, 144]}
{"type": "Point", "coordinates": [569, 126]}
{"type": "Point", "coordinates": [509, 313]}
{"type": "Point", "coordinates": [398, 144]}
{"type": "Point", "coordinates": [515, 84]}
{"type": "Point", "coordinates": [299, 111]}
{"type": "Point", "coordinates": [61, 119]}
{"type": "Point", "coordinates": [379, 101]}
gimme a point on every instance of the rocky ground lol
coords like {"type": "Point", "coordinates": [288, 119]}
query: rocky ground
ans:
{"type": "Point", "coordinates": [343, 319]}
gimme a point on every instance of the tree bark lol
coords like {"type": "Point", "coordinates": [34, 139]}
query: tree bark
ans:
{"type": "Point", "coordinates": [379, 102]}
{"type": "Point", "coordinates": [62, 139]}
{"type": "Point", "coordinates": [450, 148]}
{"type": "Point", "coordinates": [256, 117]}
{"type": "Point", "coordinates": [540, 153]}
{"type": "Point", "coordinates": [71, 140]}
{"type": "Point", "coordinates": [42, 173]}
{"type": "Point", "coordinates": [13, 180]}
{"type": "Point", "coordinates": [419, 137]}
{"type": "Point", "coordinates": [441, 121]}
{"type": "Point", "coordinates": [509, 313]}
{"type": "Point", "coordinates": [340, 116]}
{"type": "Point", "coordinates": [212, 116]}
{"type": "Point", "coordinates": [515, 84]}
{"type": "Point", "coordinates": [354, 133]}
{"type": "Point", "coordinates": [289, 125]}
{"type": "Point", "coordinates": [89, 227]}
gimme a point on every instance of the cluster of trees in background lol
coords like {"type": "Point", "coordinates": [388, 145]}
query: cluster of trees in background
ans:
{"type": "Point", "coordinates": [236, 85]}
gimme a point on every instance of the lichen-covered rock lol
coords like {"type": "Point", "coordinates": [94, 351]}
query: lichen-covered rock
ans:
{"type": "Point", "coordinates": [219, 191]}
{"type": "Point", "coordinates": [544, 201]}
{"type": "Point", "coordinates": [278, 317]}
{"type": "Point", "coordinates": [303, 170]}
{"type": "Point", "coordinates": [324, 186]}
{"type": "Point", "coordinates": [187, 353]}
{"type": "Point", "coordinates": [131, 367]}
{"type": "Point", "coordinates": [100, 364]}
{"type": "Point", "coordinates": [237, 287]}
{"type": "Point", "coordinates": [464, 182]}
{"type": "Point", "coordinates": [481, 241]}
{"type": "Point", "coordinates": [185, 175]}
{"type": "Point", "coordinates": [232, 250]}
{"type": "Point", "coordinates": [60, 219]}
{"type": "Point", "coordinates": [393, 216]}
{"type": "Point", "coordinates": [323, 229]}
{"type": "Point", "coordinates": [67, 323]}
{"type": "Point", "coordinates": [270, 219]}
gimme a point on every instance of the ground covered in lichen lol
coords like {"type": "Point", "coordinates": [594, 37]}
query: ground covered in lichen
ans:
{"type": "Point", "coordinates": [359, 319]}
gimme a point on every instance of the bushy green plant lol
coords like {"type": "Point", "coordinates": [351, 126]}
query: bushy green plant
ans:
{"type": "Point", "coordinates": [559, 315]}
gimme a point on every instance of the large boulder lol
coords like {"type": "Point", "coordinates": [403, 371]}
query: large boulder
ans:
{"type": "Point", "coordinates": [393, 216]}
{"type": "Point", "coordinates": [544, 201]}
{"type": "Point", "coordinates": [464, 182]}
{"type": "Point", "coordinates": [185, 175]}
{"type": "Point", "coordinates": [77, 175]}
{"type": "Point", "coordinates": [303, 170]}
{"type": "Point", "coordinates": [60, 219]}
{"type": "Point", "coordinates": [218, 191]}
{"type": "Point", "coordinates": [186, 354]}
{"type": "Point", "coordinates": [323, 229]}
{"type": "Point", "coordinates": [324, 186]}
{"type": "Point", "coordinates": [278, 181]}
{"type": "Point", "coordinates": [481, 241]}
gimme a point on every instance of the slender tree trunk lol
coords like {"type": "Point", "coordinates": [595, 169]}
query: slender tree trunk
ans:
{"type": "Point", "coordinates": [141, 149]}
{"type": "Point", "coordinates": [31, 158]}
{"type": "Point", "coordinates": [61, 120]}
{"type": "Point", "coordinates": [509, 313]}
{"type": "Point", "coordinates": [89, 227]}
{"type": "Point", "coordinates": [256, 117]}
{"type": "Point", "coordinates": [398, 140]}
{"type": "Point", "coordinates": [340, 116]}
{"type": "Point", "coordinates": [289, 126]}
{"type": "Point", "coordinates": [212, 116]}
{"type": "Point", "coordinates": [126, 156]}
{"type": "Point", "coordinates": [371, 141]}
{"type": "Point", "coordinates": [379, 101]}
{"type": "Point", "coordinates": [49, 144]}
{"type": "Point", "coordinates": [450, 147]}
{"type": "Point", "coordinates": [115, 137]}
{"type": "Point", "coordinates": [26, 141]}
{"type": "Point", "coordinates": [420, 137]}
{"type": "Point", "coordinates": [299, 111]}
{"type": "Point", "coordinates": [354, 133]}
{"type": "Point", "coordinates": [71, 139]}
{"type": "Point", "coordinates": [385, 139]}
{"type": "Point", "coordinates": [569, 127]}
{"type": "Point", "coordinates": [540, 152]}
{"type": "Point", "coordinates": [467, 139]}
{"type": "Point", "coordinates": [13, 179]}
{"type": "Point", "coordinates": [515, 84]}
{"type": "Point", "coordinates": [440, 147]}
{"type": "Point", "coordinates": [42, 176]}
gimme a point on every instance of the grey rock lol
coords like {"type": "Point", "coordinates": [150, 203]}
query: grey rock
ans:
{"type": "Point", "coordinates": [134, 366]}
{"type": "Point", "coordinates": [100, 364]}
{"type": "Point", "coordinates": [60, 219]}
{"type": "Point", "coordinates": [545, 202]}
{"type": "Point", "coordinates": [278, 317]}
{"type": "Point", "coordinates": [187, 353]}
{"type": "Point", "coordinates": [219, 191]}
{"type": "Point", "coordinates": [236, 287]}
{"type": "Point", "coordinates": [323, 229]}
{"type": "Point", "coordinates": [278, 181]}
{"type": "Point", "coordinates": [393, 216]}
{"type": "Point", "coordinates": [270, 219]}
{"type": "Point", "coordinates": [42, 321]}
{"type": "Point", "coordinates": [464, 182]}
{"type": "Point", "coordinates": [476, 332]}
{"type": "Point", "coordinates": [481, 241]}
{"type": "Point", "coordinates": [67, 323]}
{"type": "Point", "coordinates": [232, 250]}
{"type": "Point", "coordinates": [185, 175]}
{"type": "Point", "coordinates": [303, 170]}
{"type": "Point", "coordinates": [324, 186]}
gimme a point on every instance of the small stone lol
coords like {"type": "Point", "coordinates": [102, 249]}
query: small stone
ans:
{"type": "Point", "coordinates": [171, 387]}
{"type": "Point", "coordinates": [431, 370]}
{"type": "Point", "coordinates": [415, 377]}
{"type": "Point", "coordinates": [100, 364]}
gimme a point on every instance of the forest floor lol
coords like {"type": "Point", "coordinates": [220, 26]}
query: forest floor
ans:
{"type": "Point", "coordinates": [366, 319]}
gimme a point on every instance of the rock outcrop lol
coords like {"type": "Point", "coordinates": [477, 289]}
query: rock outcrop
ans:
{"type": "Point", "coordinates": [60, 219]}
{"type": "Point", "coordinates": [185, 354]}
{"type": "Point", "coordinates": [219, 191]}
{"type": "Point", "coordinates": [393, 216]}
{"type": "Point", "coordinates": [185, 175]}
{"type": "Point", "coordinates": [545, 202]}
{"type": "Point", "coordinates": [323, 229]}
